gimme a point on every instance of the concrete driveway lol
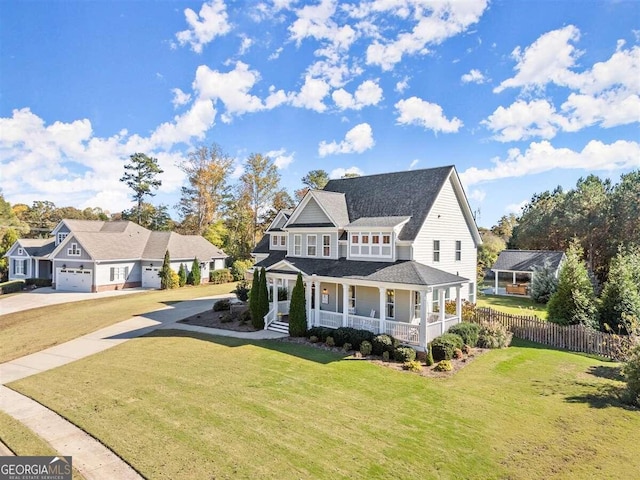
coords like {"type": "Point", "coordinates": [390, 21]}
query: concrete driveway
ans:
{"type": "Point", "coordinates": [41, 297]}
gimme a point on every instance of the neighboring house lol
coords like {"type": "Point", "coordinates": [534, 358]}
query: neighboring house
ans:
{"type": "Point", "coordinates": [93, 256]}
{"type": "Point", "coordinates": [379, 252]}
{"type": "Point", "coordinates": [518, 262]}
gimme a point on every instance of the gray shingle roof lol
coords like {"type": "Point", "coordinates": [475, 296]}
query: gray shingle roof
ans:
{"type": "Point", "coordinates": [38, 247]}
{"type": "Point", "coordinates": [411, 193]}
{"type": "Point", "coordinates": [378, 222]}
{"type": "Point", "coordinates": [334, 204]}
{"type": "Point", "coordinates": [263, 245]}
{"type": "Point", "coordinates": [403, 271]}
{"type": "Point", "coordinates": [309, 225]}
{"type": "Point", "coordinates": [526, 260]}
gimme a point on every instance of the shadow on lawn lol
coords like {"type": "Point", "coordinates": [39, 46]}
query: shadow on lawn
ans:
{"type": "Point", "coordinates": [603, 396]}
{"type": "Point", "coordinates": [297, 350]}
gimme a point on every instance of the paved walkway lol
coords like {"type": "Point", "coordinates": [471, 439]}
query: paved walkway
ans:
{"type": "Point", "coordinates": [90, 457]}
{"type": "Point", "coordinates": [42, 297]}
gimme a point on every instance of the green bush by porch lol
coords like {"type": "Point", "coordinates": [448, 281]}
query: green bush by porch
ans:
{"type": "Point", "coordinates": [298, 310]}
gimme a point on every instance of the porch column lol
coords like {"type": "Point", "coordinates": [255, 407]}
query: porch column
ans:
{"type": "Point", "coordinates": [514, 277]}
{"type": "Point", "coordinates": [423, 319]}
{"type": "Point", "coordinates": [458, 304]}
{"type": "Point", "coordinates": [37, 272]}
{"type": "Point", "coordinates": [383, 308]}
{"type": "Point", "coordinates": [441, 307]}
{"type": "Point", "coordinates": [275, 298]}
{"type": "Point", "coordinates": [495, 291]}
{"type": "Point", "coordinates": [307, 293]}
{"type": "Point", "coordinates": [317, 302]}
{"type": "Point", "coordinates": [345, 304]}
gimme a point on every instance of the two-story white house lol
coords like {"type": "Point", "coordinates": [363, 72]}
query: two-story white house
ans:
{"type": "Point", "coordinates": [379, 252]}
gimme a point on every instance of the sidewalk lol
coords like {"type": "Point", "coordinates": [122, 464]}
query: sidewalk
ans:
{"type": "Point", "coordinates": [92, 459]}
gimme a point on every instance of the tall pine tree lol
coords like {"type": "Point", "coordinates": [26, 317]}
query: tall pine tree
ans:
{"type": "Point", "coordinates": [254, 297]}
{"type": "Point", "coordinates": [298, 310]}
{"type": "Point", "coordinates": [165, 273]}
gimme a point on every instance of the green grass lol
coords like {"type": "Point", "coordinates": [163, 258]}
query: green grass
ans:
{"type": "Point", "coordinates": [33, 330]}
{"type": "Point", "coordinates": [513, 305]}
{"type": "Point", "coordinates": [207, 407]}
{"type": "Point", "coordinates": [23, 441]}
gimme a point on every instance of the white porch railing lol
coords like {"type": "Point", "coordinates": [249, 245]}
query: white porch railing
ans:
{"type": "Point", "coordinates": [269, 317]}
{"type": "Point", "coordinates": [364, 323]}
{"type": "Point", "coordinates": [405, 332]}
{"type": "Point", "coordinates": [329, 319]}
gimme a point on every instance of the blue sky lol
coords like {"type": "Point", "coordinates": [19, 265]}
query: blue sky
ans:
{"type": "Point", "coordinates": [519, 96]}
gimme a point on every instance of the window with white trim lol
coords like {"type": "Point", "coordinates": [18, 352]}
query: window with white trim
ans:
{"type": "Point", "coordinates": [391, 304]}
{"type": "Point", "coordinates": [119, 273]}
{"type": "Point", "coordinates": [370, 244]}
{"type": "Point", "coordinates": [436, 250]}
{"type": "Point", "coordinates": [311, 245]}
{"type": "Point", "coordinates": [62, 236]}
{"type": "Point", "coordinates": [326, 245]}
{"type": "Point", "coordinates": [283, 240]}
{"type": "Point", "coordinates": [297, 245]}
{"type": "Point", "coordinates": [19, 267]}
{"type": "Point", "coordinates": [458, 250]}
{"type": "Point", "coordinates": [20, 251]}
{"type": "Point", "coordinates": [352, 297]}
{"type": "Point", "coordinates": [274, 240]}
{"type": "Point", "coordinates": [416, 304]}
{"type": "Point", "coordinates": [74, 251]}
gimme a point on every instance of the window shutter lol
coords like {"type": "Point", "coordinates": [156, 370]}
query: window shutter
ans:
{"type": "Point", "coordinates": [126, 272]}
{"type": "Point", "coordinates": [24, 267]}
{"type": "Point", "coordinates": [112, 274]}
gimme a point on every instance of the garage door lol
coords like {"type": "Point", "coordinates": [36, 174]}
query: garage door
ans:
{"type": "Point", "coordinates": [151, 277]}
{"type": "Point", "coordinates": [73, 280]}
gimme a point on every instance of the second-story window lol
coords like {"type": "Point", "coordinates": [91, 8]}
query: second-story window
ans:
{"type": "Point", "coordinates": [274, 240]}
{"type": "Point", "coordinates": [326, 245]}
{"type": "Point", "coordinates": [297, 245]}
{"type": "Point", "coordinates": [311, 245]}
{"type": "Point", "coordinates": [371, 244]}
{"type": "Point", "coordinates": [283, 240]}
{"type": "Point", "coordinates": [74, 251]}
{"type": "Point", "coordinates": [61, 237]}
{"type": "Point", "coordinates": [436, 250]}
{"type": "Point", "coordinates": [458, 250]}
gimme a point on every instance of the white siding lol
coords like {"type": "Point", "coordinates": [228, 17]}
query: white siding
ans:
{"type": "Point", "coordinates": [447, 223]}
{"type": "Point", "coordinates": [103, 273]}
{"type": "Point", "coordinates": [342, 252]}
{"type": "Point", "coordinates": [312, 213]}
{"type": "Point", "coordinates": [403, 252]}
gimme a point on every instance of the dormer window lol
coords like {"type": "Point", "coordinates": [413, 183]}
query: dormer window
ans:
{"type": "Point", "coordinates": [74, 251]}
{"type": "Point", "coordinates": [371, 244]}
{"type": "Point", "coordinates": [20, 251]}
{"type": "Point", "coordinates": [62, 236]}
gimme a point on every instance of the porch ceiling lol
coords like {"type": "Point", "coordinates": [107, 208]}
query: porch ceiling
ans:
{"type": "Point", "coordinates": [403, 271]}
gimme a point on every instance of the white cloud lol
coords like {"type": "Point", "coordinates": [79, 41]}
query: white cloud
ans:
{"type": "Point", "coordinates": [523, 120]}
{"type": "Point", "coordinates": [368, 93]}
{"type": "Point", "coordinates": [311, 95]}
{"type": "Point", "coordinates": [546, 60]}
{"type": "Point", "coordinates": [357, 140]}
{"type": "Point", "coordinates": [515, 207]}
{"type": "Point", "coordinates": [280, 158]}
{"type": "Point", "coordinates": [179, 97]}
{"type": "Point", "coordinates": [192, 124]}
{"type": "Point", "coordinates": [474, 76]}
{"type": "Point", "coordinates": [276, 54]}
{"type": "Point", "coordinates": [542, 157]}
{"type": "Point", "coordinates": [477, 195]}
{"type": "Point", "coordinates": [402, 85]}
{"type": "Point", "coordinates": [434, 24]}
{"type": "Point", "coordinates": [341, 172]}
{"type": "Point", "coordinates": [211, 22]}
{"type": "Point", "coordinates": [413, 164]}
{"type": "Point", "coordinates": [245, 45]}
{"type": "Point", "coordinates": [415, 111]}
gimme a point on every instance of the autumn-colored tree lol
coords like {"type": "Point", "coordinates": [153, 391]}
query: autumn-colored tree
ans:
{"type": "Point", "coordinates": [260, 180]}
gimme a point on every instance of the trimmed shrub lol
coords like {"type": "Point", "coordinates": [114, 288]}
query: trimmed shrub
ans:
{"type": "Point", "coordinates": [218, 277]}
{"type": "Point", "coordinates": [366, 348]}
{"type": "Point", "coordinates": [245, 316]}
{"type": "Point", "coordinates": [457, 353]}
{"type": "Point", "coordinates": [443, 366]}
{"type": "Point", "coordinates": [254, 295]}
{"type": "Point", "coordinates": [385, 356]}
{"type": "Point", "coordinates": [182, 275]}
{"type": "Point", "coordinates": [298, 310]}
{"type": "Point", "coordinates": [175, 280]}
{"type": "Point", "coordinates": [195, 275]}
{"type": "Point", "coordinates": [404, 354]}
{"type": "Point", "coordinates": [468, 331]}
{"type": "Point", "coordinates": [12, 286]}
{"type": "Point", "coordinates": [493, 335]}
{"type": "Point", "coordinates": [329, 342]}
{"type": "Point", "coordinates": [631, 372]}
{"type": "Point", "coordinates": [353, 336]}
{"type": "Point", "coordinates": [321, 332]}
{"type": "Point", "coordinates": [38, 282]}
{"type": "Point", "coordinates": [165, 272]}
{"type": "Point", "coordinates": [242, 291]}
{"type": "Point", "coordinates": [221, 305]}
{"type": "Point", "coordinates": [347, 347]}
{"type": "Point", "coordinates": [466, 349]}
{"type": "Point", "coordinates": [239, 269]}
{"type": "Point", "coordinates": [412, 366]}
{"type": "Point", "coordinates": [384, 343]}
{"type": "Point", "coordinates": [313, 339]}
{"type": "Point", "coordinates": [442, 348]}
{"type": "Point", "coordinates": [429, 360]}
{"type": "Point", "coordinates": [226, 318]}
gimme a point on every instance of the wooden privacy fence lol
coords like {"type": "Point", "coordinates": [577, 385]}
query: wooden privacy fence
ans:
{"type": "Point", "coordinates": [576, 338]}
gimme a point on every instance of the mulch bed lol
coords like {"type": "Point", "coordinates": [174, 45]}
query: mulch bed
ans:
{"type": "Point", "coordinates": [456, 363]}
{"type": "Point", "coordinates": [213, 319]}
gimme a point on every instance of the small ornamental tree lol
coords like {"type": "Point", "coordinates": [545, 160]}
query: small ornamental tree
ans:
{"type": "Point", "coordinates": [165, 272]}
{"type": "Point", "coordinates": [182, 275]}
{"type": "Point", "coordinates": [254, 296]}
{"type": "Point", "coordinates": [574, 300]}
{"type": "Point", "coordinates": [621, 294]}
{"type": "Point", "coordinates": [298, 310]}
{"type": "Point", "coordinates": [263, 298]}
{"type": "Point", "coordinates": [544, 283]}
{"type": "Point", "coordinates": [195, 274]}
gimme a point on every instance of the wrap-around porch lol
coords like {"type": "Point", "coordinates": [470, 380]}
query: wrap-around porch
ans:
{"type": "Point", "coordinates": [393, 309]}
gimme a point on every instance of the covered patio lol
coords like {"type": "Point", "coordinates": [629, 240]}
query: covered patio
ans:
{"type": "Point", "coordinates": [523, 262]}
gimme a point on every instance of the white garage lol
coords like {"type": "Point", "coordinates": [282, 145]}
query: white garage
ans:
{"type": "Point", "coordinates": [151, 277]}
{"type": "Point", "coordinates": [73, 280]}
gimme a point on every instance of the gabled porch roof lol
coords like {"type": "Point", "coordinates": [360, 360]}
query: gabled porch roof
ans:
{"type": "Point", "coordinates": [400, 272]}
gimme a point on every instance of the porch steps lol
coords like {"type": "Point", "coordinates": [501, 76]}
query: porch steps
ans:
{"type": "Point", "coordinates": [280, 327]}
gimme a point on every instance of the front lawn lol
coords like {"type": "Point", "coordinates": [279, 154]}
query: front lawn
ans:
{"type": "Point", "coordinates": [513, 305]}
{"type": "Point", "coordinates": [180, 405]}
{"type": "Point", "coordinates": [33, 330]}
